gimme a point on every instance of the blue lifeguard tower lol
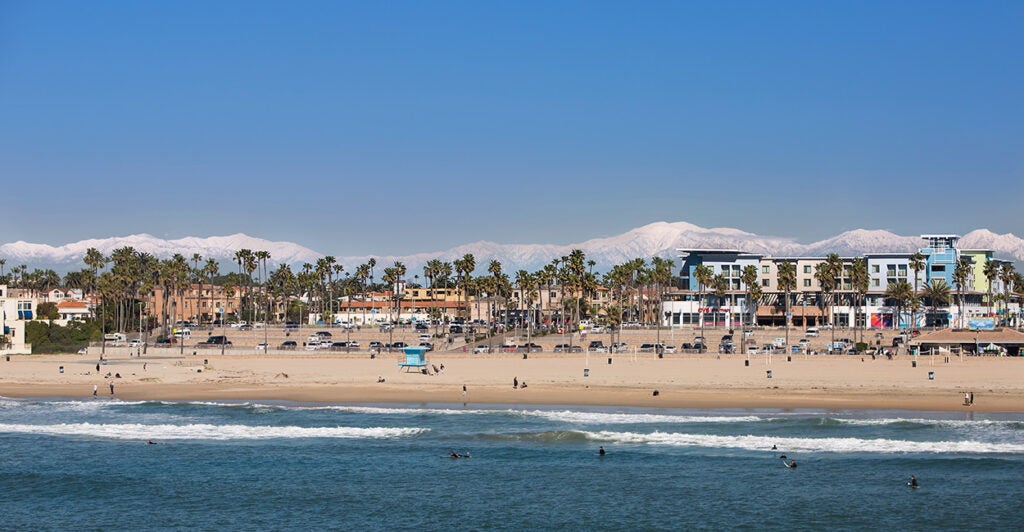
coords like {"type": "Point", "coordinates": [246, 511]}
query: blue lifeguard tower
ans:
{"type": "Point", "coordinates": [415, 357]}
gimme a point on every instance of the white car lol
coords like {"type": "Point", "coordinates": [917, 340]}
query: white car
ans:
{"type": "Point", "coordinates": [670, 349]}
{"type": "Point", "coordinates": [424, 338]}
{"type": "Point", "coordinates": [83, 351]}
{"type": "Point", "coordinates": [481, 349]}
{"type": "Point", "coordinates": [135, 343]}
{"type": "Point", "coordinates": [262, 346]}
{"type": "Point", "coordinates": [238, 324]}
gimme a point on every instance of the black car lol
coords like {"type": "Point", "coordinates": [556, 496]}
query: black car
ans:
{"type": "Point", "coordinates": [455, 329]}
{"type": "Point", "coordinates": [289, 345]}
{"type": "Point", "coordinates": [215, 340]}
{"type": "Point", "coordinates": [420, 326]}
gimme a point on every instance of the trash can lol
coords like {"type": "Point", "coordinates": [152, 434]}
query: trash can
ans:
{"type": "Point", "coordinates": [525, 356]}
{"type": "Point", "coordinates": [746, 362]}
{"type": "Point", "coordinates": [789, 358]}
{"type": "Point", "coordinates": [609, 360]}
{"type": "Point", "coordinates": [931, 375]}
{"type": "Point", "coordinates": [661, 355]}
{"type": "Point", "coordinates": [206, 361]}
{"type": "Point", "coordinates": [61, 369]}
{"type": "Point", "coordinates": [586, 372]}
{"type": "Point", "coordinates": [769, 374]}
{"type": "Point", "coordinates": [913, 363]}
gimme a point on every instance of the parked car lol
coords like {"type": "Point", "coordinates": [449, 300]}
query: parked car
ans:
{"type": "Point", "coordinates": [428, 345]}
{"type": "Point", "coordinates": [376, 345]}
{"type": "Point", "coordinates": [726, 338]}
{"type": "Point", "coordinates": [353, 344]}
{"type": "Point", "coordinates": [239, 324]}
{"type": "Point", "coordinates": [136, 343]}
{"type": "Point", "coordinates": [530, 348]}
{"type": "Point", "coordinates": [262, 346]}
{"type": "Point", "coordinates": [288, 345]}
{"type": "Point", "coordinates": [811, 331]}
{"type": "Point", "coordinates": [323, 334]}
{"type": "Point", "coordinates": [482, 348]}
{"type": "Point", "coordinates": [597, 346]}
{"type": "Point", "coordinates": [566, 348]}
{"type": "Point", "coordinates": [670, 349]}
{"type": "Point", "coordinates": [214, 340]}
{"type": "Point", "coordinates": [619, 347]}
{"type": "Point", "coordinates": [420, 326]}
{"type": "Point", "coordinates": [83, 351]}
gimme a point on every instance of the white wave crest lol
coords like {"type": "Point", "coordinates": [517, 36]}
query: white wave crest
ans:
{"type": "Point", "coordinates": [135, 431]}
{"type": "Point", "coordinates": [828, 445]}
{"type": "Point", "coordinates": [948, 423]}
{"type": "Point", "coordinates": [610, 418]}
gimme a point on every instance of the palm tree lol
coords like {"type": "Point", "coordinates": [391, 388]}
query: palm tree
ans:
{"type": "Point", "coordinates": [1007, 274]}
{"type": "Point", "coordinates": [859, 283]}
{"type": "Point", "coordinates": [211, 269]}
{"type": "Point", "coordinates": [937, 294]}
{"type": "Point", "coordinates": [899, 292]}
{"type": "Point", "coordinates": [991, 272]}
{"type": "Point", "coordinates": [721, 286]}
{"type": "Point", "coordinates": [787, 283]}
{"type": "Point", "coordinates": [917, 263]}
{"type": "Point", "coordinates": [749, 279]}
{"type": "Point", "coordinates": [703, 274]}
{"type": "Point", "coordinates": [828, 275]}
{"type": "Point", "coordinates": [961, 278]}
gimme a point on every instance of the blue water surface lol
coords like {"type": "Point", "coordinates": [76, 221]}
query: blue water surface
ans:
{"type": "Point", "coordinates": [255, 466]}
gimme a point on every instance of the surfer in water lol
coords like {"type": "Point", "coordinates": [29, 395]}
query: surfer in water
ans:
{"type": "Point", "coordinates": [791, 464]}
{"type": "Point", "coordinates": [913, 481]}
{"type": "Point", "coordinates": [454, 454]}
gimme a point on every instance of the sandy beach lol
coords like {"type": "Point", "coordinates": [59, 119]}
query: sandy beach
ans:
{"type": "Point", "coordinates": [682, 381]}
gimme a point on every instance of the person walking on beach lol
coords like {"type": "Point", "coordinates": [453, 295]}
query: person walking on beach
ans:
{"type": "Point", "coordinates": [95, 389]}
{"type": "Point", "coordinates": [111, 387]}
{"type": "Point", "coordinates": [463, 390]}
{"type": "Point", "coordinates": [515, 383]}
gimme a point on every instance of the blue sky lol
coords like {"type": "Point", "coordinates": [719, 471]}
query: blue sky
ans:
{"type": "Point", "coordinates": [400, 127]}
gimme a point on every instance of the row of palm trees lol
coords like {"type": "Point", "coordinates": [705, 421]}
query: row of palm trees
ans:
{"type": "Point", "coordinates": [636, 288]}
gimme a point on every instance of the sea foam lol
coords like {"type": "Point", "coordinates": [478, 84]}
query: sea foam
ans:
{"type": "Point", "coordinates": [135, 431]}
{"type": "Point", "coordinates": [832, 445]}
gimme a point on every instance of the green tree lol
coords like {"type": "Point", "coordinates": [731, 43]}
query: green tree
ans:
{"type": "Point", "coordinates": [937, 294]}
{"type": "Point", "coordinates": [961, 278]}
{"type": "Point", "coordinates": [704, 275]}
{"type": "Point", "coordinates": [899, 293]}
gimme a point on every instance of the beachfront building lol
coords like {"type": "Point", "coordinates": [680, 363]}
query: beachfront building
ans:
{"type": "Point", "coordinates": [941, 256]}
{"type": "Point", "coordinates": [17, 311]}
{"type": "Point", "coordinates": [725, 304]}
{"type": "Point", "coordinates": [202, 303]}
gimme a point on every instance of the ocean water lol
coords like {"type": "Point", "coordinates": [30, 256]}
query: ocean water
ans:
{"type": "Point", "coordinates": [254, 466]}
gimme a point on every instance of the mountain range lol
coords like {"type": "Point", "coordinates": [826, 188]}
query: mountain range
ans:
{"type": "Point", "coordinates": [655, 239]}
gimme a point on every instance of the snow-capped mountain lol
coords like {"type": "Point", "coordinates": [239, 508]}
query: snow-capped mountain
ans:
{"type": "Point", "coordinates": [221, 248]}
{"type": "Point", "coordinates": [656, 239]}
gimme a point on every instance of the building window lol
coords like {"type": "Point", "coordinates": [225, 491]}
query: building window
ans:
{"type": "Point", "coordinates": [875, 283]}
{"type": "Point", "coordinates": [875, 268]}
{"type": "Point", "coordinates": [766, 269]}
{"type": "Point", "coordinates": [765, 283]}
{"type": "Point", "coordinates": [807, 282]}
{"type": "Point", "coordinates": [807, 269]}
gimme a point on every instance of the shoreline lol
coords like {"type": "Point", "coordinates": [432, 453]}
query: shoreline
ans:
{"type": "Point", "coordinates": [694, 382]}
